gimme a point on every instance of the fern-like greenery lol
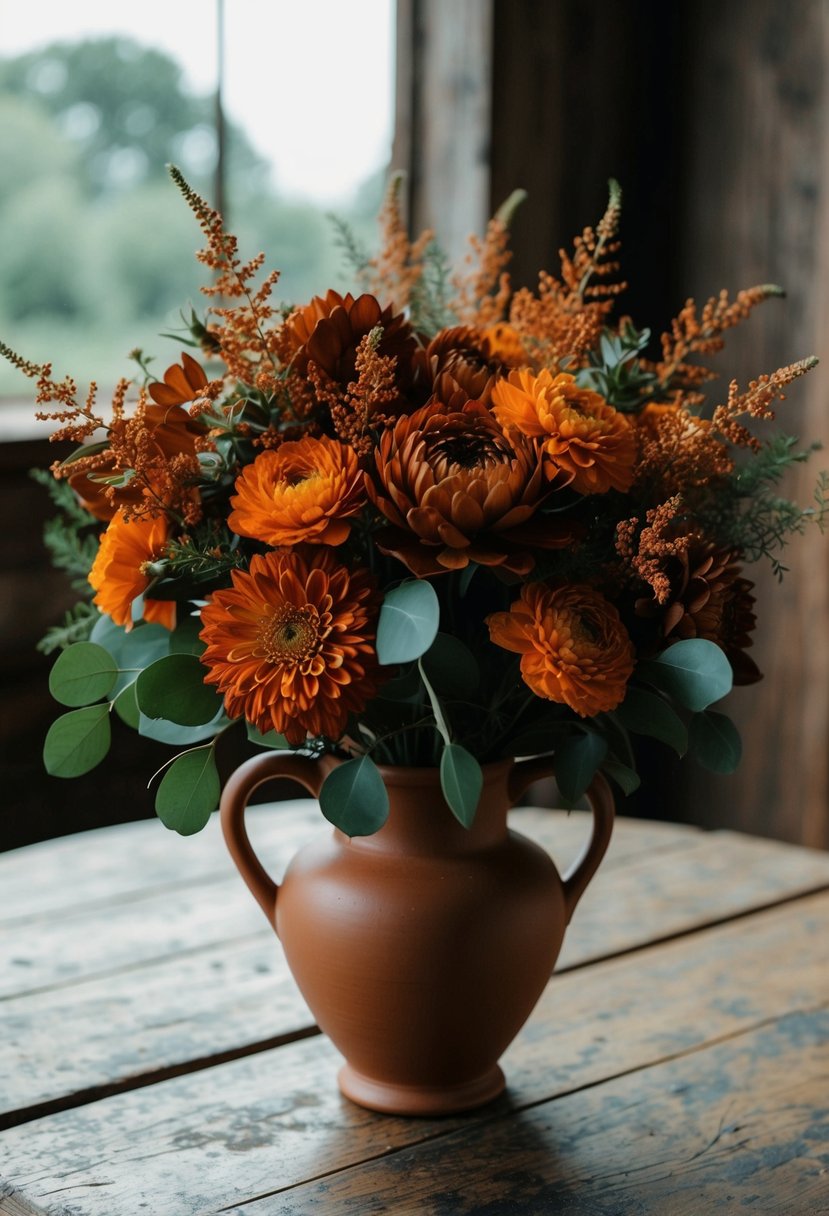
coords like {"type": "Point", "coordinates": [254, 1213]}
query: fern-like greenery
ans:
{"type": "Point", "coordinates": [71, 537]}
{"type": "Point", "coordinates": [76, 626]}
{"type": "Point", "coordinates": [429, 309]}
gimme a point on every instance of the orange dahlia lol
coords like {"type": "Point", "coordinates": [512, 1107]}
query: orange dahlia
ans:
{"type": "Point", "coordinates": [182, 383]}
{"type": "Point", "coordinates": [579, 432]}
{"type": "Point", "coordinates": [304, 490]}
{"type": "Point", "coordinates": [120, 571]}
{"type": "Point", "coordinates": [291, 644]}
{"type": "Point", "coordinates": [458, 490]}
{"type": "Point", "coordinates": [574, 648]}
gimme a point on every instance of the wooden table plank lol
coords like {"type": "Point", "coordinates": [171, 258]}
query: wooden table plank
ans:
{"type": "Point", "coordinates": [743, 1125]}
{"type": "Point", "coordinates": [247, 1129]}
{"type": "Point", "coordinates": [110, 865]}
{"type": "Point", "coordinates": [127, 1021]}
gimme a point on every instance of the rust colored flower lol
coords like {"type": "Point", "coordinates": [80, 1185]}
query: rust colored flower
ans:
{"type": "Point", "coordinates": [703, 595]}
{"type": "Point", "coordinates": [291, 644]}
{"type": "Point", "coordinates": [120, 571]}
{"type": "Point", "coordinates": [304, 490]}
{"type": "Point", "coordinates": [579, 432]}
{"type": "Point", "coordinates": [328, 332]}
{"type": "Point", "coordinates": [182, 383]}
{"type": "Point", "coordinates": [574, 648]}
{"type": "Point", "coordinates": [475, 358]}
{"type": "Point", "coordinates": [458, 490]}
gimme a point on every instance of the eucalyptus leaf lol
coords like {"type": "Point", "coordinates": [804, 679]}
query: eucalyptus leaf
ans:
{"type": "Point", "coordinates": [173, 688]}
{"type": "Point", "coordinates": [82, 674]}
{"type": "Point", "coordinates": [577, 761]}
{"type": "Point", "coordinates": [185, 637]}
{"type": "Point", "coordinates": [461, 780]}
{"type": "Point", "coordinates": [163, 731]}
{"type": "Point", "coordinates": [354, 798]}
{"type": "Point", "coordinates": [77, 741]}
{"type": "Point", "coordinates": [452, 668]}
{"type": "Point", "coordinates": [133, 649]}
{"type": "Point", "coordinates": [189, 792]}
{"type": "Point", "coordinates": [437, 708]}
{"type": "Point", "coordinates": [715, 741]}
{"type": "Point", "coordinates": [646, 713]}
{"type": "Point", "coordinates": [408, 622]}
{"type": "Point", "coordinates": [625, 777]}
{"type": "Point", "coordinates": [694, 672]}
{"type": "Point", "coordinates": [126, 707]}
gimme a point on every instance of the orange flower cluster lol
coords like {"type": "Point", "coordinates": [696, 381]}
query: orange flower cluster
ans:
{"type": "Point", "coordinates": [518, 450]}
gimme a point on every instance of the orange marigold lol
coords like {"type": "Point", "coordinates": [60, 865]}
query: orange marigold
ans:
{"type": "Point", "coordinates": [579, 432]}
{"type": "Point", "coordinates": [120, 571]}
{"type": "Point", "coordinates": [304, 490]}
{"type": "Point", "coordinates": [574, 648]}
{"type": "Point", "coordinates": [291, 644]}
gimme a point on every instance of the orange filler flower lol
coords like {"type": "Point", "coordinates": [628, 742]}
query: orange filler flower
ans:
{"type": "Point", "coordinates": [304, 490]}
{"type": "Point", "coordinates": [574, 648]}
{"type": "Point", "coordinates": [579, 432]}
{"type": "Point", "coordinates": [120, 572]}
{"type": "Point", "coordinates": [291, 644]}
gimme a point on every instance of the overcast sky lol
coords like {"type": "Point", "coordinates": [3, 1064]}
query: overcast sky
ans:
{"type": "Point", "coordinates": [311, 83]}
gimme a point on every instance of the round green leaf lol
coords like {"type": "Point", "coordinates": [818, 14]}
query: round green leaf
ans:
{"type": "Point", "coordinates": [577, 761]}
{"type": "Point", "coordinates": [451, 668]}
{"type": "Point", "coordinates": [271, 738]}
{"type": "Point", "coordinates": [132, 650]}
{"type": "Point", "coordinates": [408, 622]}
{"type": "Point", "coordinates": [189, 792]}
{"type": "Point", "coordinates": [77, 741]}
{"type": "Point", "coordinates": [461, 780]}
{"type": "Point", "coordinates": [626, 778]}
{"type": "Point", "coordinates": [354, 798]}
{"type": "Point", "coordinates": [82, 674]}
{"type": "Point", "coordinates": [715, 741]}
{"type": "Point", "coordinates": [163, 731]}
{"type": "Point", "coordinates": [649, 714]}
{"type": "Point", "coordinates": [185, 637]}
{"type": "Point", "coordinates": [126, 707]}
{"type": "Point", "coordinates": [695, 672]}
{"type": "Point", "coordinates": [174, 688]}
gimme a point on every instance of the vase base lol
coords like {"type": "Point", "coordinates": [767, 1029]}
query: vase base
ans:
{"type": "Point", "coordinates": [392, 1099]}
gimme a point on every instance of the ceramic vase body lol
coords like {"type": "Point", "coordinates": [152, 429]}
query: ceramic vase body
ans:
{"type": "Point", "coordinates": [420, 950]}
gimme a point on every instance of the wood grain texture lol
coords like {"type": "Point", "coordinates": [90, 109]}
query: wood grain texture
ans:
{"type": "Point", "coordinates": [740, 1126]}
{"type": "Point", "coordinates": [261, 1125]}
{"type": "Point", "coordinates": [756, 210]}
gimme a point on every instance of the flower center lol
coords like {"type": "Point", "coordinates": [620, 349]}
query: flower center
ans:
{"type": "Point", "coordinates": [467, 451]}
{"type": "Point", "coordinates": [290, 635]}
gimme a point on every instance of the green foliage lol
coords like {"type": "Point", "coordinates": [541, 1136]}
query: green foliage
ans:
{"type": "Point", "coordinates": [625, 777]}
{"type": "Point", "coordinates": [77, 741]}
{"type": "Point", "coordinates": [83, 674]}
{"type": "Point", "coordinates": [77, 625]}
{"type": "Point", "coordinates": [71, 538]}
{"type": "Point", "coordinates": [451, 668]}
{"type": "Point", "coordinates": [715, 741]}
{"type": "Point", "coordinates": [578, 759]}
{"type": "Point", "coordinates": [198, 563]}
{"type": "Point", "coordinates": [646, 713]}
{"type": "Point", "coordinates": [355, 255]}
{"type": "Point", "coordinates": [461, 781]}
{"type": "Point", "coordinates": [173, 688]}
{"type": "Point", "coordinates": [189, 792]}
{"type": "Point", "coordinates": [429, 309]}
{"type": "Point", "coordinates": [694, 672]}
{"type": "Point", "coordinates": [615, 372]}
{"type": "Point", "coordinates": [354, 798]}
{"type": "Point", "coordinates": [271, 739]}
{"type": "Point", "coordinates": [408, 622]}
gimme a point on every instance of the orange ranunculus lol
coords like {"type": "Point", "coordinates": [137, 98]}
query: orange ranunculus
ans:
{"type": "Point", "coordinates": [119, 573]}
{"type": "Point", "coordinates": [574, 648]}
{"type": "Point", "coordinates": [291, 644]}
{"type": "Point", "coordinates": [304, 490]}
{"type": "Point", "coordinates": [579, 432]}
{"type": "Point", "coordinates": [458, 490]}
{"type": "Point", "coordinates": [182, 383]}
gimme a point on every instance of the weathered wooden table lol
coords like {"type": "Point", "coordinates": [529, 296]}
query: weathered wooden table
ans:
{"type": "Point", "coordinates": [155, 1056]}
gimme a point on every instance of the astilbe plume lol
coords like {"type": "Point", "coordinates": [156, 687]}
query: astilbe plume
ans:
{"type": "Point", "coordinates": [755, 402]}
{"type": "Point", "coordinates": [397, 269]}
{"type": "Point", "coordinates": [483, 292]}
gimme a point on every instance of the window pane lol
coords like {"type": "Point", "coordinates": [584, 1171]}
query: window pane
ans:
{"type": "Point", "coordinates": [97, 255]}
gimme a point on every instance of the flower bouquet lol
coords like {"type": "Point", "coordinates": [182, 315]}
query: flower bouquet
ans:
{"type": "Point", "coordinates": [431, 522]}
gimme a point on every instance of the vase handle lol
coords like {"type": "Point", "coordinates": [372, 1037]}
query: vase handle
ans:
{"type": "Point", "coordinates": [601, 802]}
{"type": "Point", "coordinates": [247, 778]}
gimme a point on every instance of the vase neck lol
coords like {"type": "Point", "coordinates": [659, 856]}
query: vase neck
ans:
{"type": "Point", "coordinates": [420, 820]}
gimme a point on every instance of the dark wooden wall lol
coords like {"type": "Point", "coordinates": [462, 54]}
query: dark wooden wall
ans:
{"type": "Point", "coordinates": [713, 118]}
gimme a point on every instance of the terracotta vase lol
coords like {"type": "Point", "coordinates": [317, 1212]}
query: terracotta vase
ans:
{"type": "Point", "coordinates": [421, 950]}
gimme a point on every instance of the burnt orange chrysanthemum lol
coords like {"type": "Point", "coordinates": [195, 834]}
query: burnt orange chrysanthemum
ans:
{"type": "Point", "coordinates": [474, 358]}
{"type": "Point", "coordinates": [304, 490]}
{"type": "Point", "coordinates": [120, 571]}
{"type": "Point", "coordinates": [574, 648]}
{"type": "Point", "coordinates": [458, 490]}
{"type": "Point", "coordinates": [182, 383]}
{"type": "Point", "coordinates": [580, 433]}
{"type": "Point", "coordinates": [291, 644]}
